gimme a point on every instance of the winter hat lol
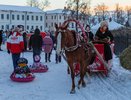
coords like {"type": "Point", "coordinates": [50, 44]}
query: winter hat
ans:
{"type": "Point", "coordinates": [88, 26]}
{"type": "Point", "coordinates": [104, 23]}
{"type": "Point", "coordinates": [37, 31]}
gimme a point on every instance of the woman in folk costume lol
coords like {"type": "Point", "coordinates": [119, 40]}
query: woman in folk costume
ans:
{"type": "Point", "coordinates": [15, 45]}
{"type": "Point", "coordinates": [47, 46]}
{"type": "Point", "coordinates": [103, 34]}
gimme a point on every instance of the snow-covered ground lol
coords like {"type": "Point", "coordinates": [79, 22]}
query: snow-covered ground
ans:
{"type": "Point", "coordinates": [56, 83]}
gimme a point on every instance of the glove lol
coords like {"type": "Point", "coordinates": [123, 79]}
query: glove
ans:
{"type": "Point", "coordinates": [29, 48]}
{"type": "Point", "coordinates": [8, 51]}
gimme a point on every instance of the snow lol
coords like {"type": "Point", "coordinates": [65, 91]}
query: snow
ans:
{"type": "Point", "coordinates": [56, 11]}
{"type": "Point", "coordinates": [56, 83]}
{"type": "Point", "coordinates": [112, 26]}
{"type": "Point", "coordinates": [20, 8]}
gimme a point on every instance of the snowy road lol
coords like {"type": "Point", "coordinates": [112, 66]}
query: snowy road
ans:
{"type": "Point", "coordinates": [56, 83]}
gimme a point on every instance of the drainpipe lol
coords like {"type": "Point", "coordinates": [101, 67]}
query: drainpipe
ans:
{"type": "Point", "coordinates": [25, 21]}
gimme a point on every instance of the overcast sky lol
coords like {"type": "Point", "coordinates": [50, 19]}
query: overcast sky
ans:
{"type": "Point", "coordinates": [60, 3]}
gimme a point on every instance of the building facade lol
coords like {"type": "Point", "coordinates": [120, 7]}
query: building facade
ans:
{"type": "Point", "coordinates": [57, 16]}
{"type": "Point", "coordinates": [28, 17]}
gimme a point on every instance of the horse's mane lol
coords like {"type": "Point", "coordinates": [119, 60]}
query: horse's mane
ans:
{"type": "Point", "coordinates": [74, 35]}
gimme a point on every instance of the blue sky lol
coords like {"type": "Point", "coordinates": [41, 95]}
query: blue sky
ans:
{"type": "Point", "coordinates": [60, 3]}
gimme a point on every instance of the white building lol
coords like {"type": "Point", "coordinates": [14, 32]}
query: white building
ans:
{"type": "Point", "coordinates": [57, 16]}
{"type": "Point", "coordinates": [29, 17]}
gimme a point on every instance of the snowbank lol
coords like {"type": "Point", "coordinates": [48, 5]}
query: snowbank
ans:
{"type": "Point", "coordinates": [112, 26]}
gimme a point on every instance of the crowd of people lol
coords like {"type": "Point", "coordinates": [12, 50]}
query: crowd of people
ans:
{"type": "Point", "coordinates": [17, 42]}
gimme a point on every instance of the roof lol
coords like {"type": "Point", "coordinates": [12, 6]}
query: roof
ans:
{"type": "Point", "coordinates": [20, 8]}
{"type": "Point", "coordinates": [112, 26]}
{"type": "Point", "coordinates": [56, 11]}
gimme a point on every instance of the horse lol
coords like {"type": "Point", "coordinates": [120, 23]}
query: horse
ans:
{"type": "Point", "coordinates": [74, 52]}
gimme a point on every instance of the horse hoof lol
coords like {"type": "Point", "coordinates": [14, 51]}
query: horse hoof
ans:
{"type": "Point", "coordinates": [78, 87]}
{"type": "Point", "coordinates": [72, 92]}
{"type": "Point", "coordinates": [83, 85]}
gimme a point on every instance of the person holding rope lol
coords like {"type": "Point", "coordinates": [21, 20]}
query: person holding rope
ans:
{"type": "Point", "coordinates": [104, 36]}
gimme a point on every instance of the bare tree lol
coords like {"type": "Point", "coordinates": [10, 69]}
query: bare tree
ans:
{"type": "Point", "coordinates": [42, 4]}
{"type": "Point", "coordinates": [101, 10]}
{"type": "Point", "coordinates": [33, 3]}
{"type": "Point", "coordinates": [128, 10]}
{"type": "Point", "coordinates": [78, 8]}
{"type": "Point", "coordinates": [118, 12]}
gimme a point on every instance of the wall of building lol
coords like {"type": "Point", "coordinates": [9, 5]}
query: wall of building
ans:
{"type": "Point", "coordinates": [20, 18]}
{"type": "Point", "coordinates": [58, 18]}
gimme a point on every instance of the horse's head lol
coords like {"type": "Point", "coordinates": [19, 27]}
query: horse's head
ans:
{"type": "Point", "coordinates": [61, 36]}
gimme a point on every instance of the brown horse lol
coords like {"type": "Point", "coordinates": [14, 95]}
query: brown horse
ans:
{"type": "Point", "coordinates": [67, 41]}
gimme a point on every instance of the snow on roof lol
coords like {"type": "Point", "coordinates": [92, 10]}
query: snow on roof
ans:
{"type": "Point", "coordinates": [56, 11]}
{"type": "Point", "coordinates": [20, 8]}
{"type": "Point", "coordinates": [112, 26]}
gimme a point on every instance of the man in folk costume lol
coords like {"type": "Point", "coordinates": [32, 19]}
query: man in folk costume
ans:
{"type": "Point", "coordinates": [15, 45]}
{"type": "Point", "coordinates": [103, 34]}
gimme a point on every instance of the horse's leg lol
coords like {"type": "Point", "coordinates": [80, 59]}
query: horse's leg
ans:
{"type": "Point", "coordinates": [80, 81]}
{"type": "Point", "coordinates": [68, 70]}
{"type": "Point", "coordinates": [83, 74]}
{"type": "Point", "coordinates": [72, 76]}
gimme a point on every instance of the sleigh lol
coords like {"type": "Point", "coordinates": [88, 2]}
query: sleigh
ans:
{"type": "Point", "coordinates": [98, 65]}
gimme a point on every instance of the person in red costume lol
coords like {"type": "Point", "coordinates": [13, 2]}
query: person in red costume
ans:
{"type": "Point", "coordinates": [15, 45]}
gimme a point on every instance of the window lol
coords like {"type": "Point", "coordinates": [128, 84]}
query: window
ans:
{"type": "Point", "coordinates": [23, 17]}
{"type": "Point", "coordinates": [51, 17]}
{"type": "Point", "coordinates": [7, 16]}
{"type": "Point", "coordinates": [2, 27]}
{"type": "Point", "coordinates": [18, 17]}
{"type": "Point", "coordinates": [41, 28]}
{"type": "Point", "coordinates": [36, 26]}
{"type": "Point", "coordinates": [46, 17]}
{"type": "Point", "coordinates": [27, 17]}
{"type": "Point", "coordinates": [55, 16]}
{"type": "Point", "coordinates": [32, 17]}
{"type": "Point", "coordinates": [60, 24]}
{"type": "Point", "coordinates": [64, 17]}
{"type": "Point", "coordinates": [52, 24]}
{"type": "Point", "coordinates": [32, 27]}
{"type": "Point", "coordinates": [27, 27]}
{"type": "Point", "coordinates": [73, 25]}
{"type": "Point", "coordinates": [7, 26]}
{"type": "Point", "coordinates": [2, 16]}
{"type": "Point", "coordinates": [46, 24]}
{"type": "Point", "coordinates": [13, 26]}
{"type": "Point", "coordinates": [41, 18]}
{"type": "Point", "coordinates": [37, 18]}
{"type": "Point", "coordinates": [13, 17]}
{"type": "Point", "coordinates": [59, 17]}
